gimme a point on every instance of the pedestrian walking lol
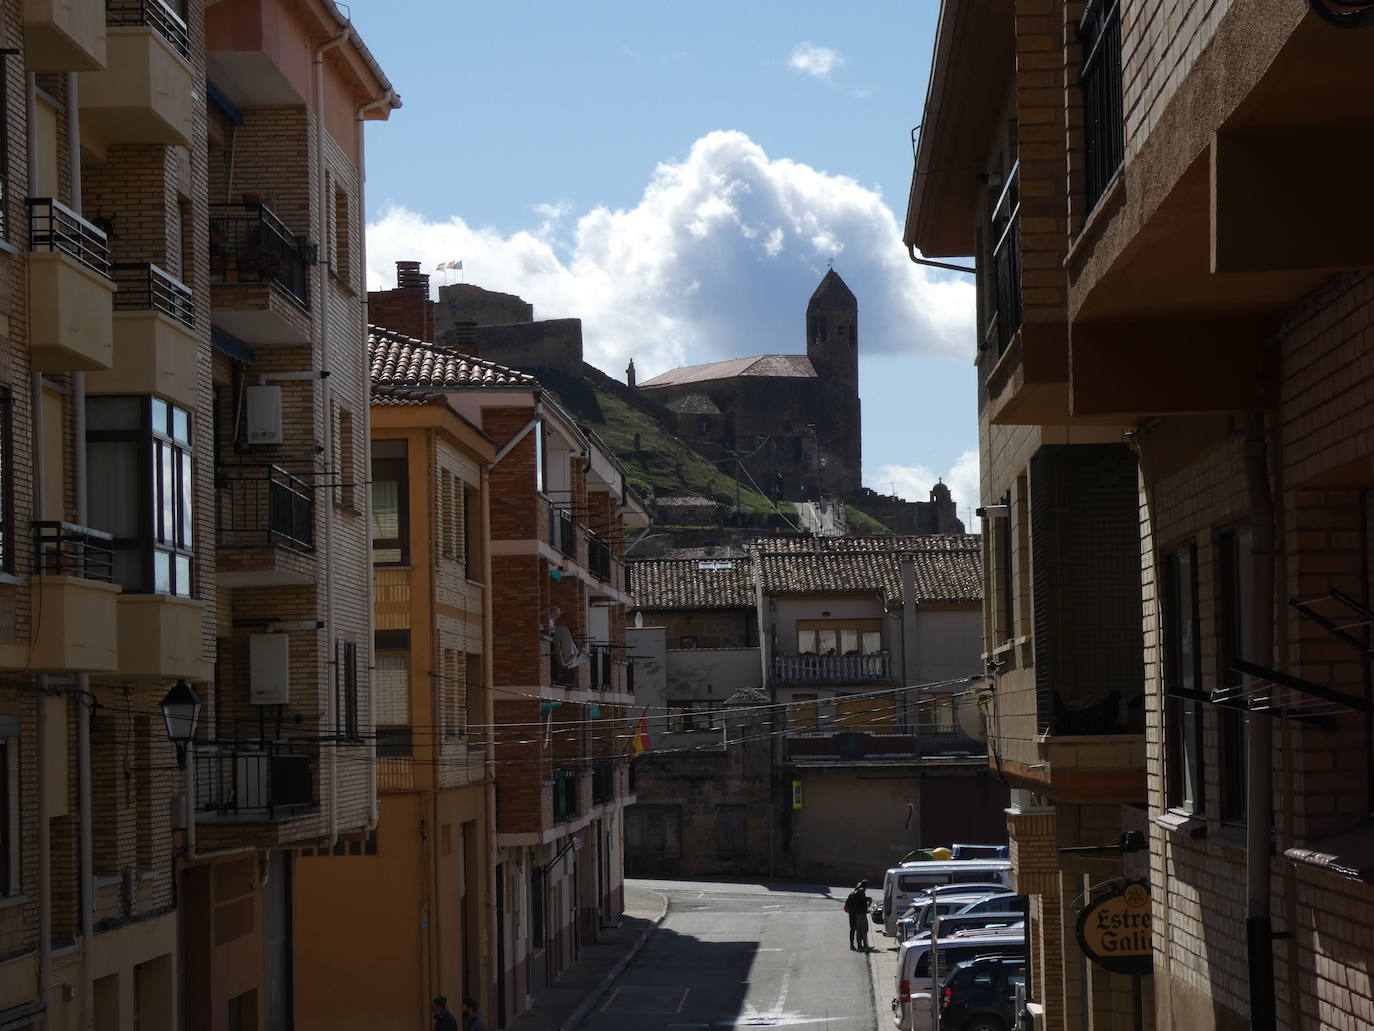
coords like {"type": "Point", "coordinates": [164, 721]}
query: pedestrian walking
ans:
{"type": "Point", "coordinates": [472, 1019]}
{"type": "Point", "coordinates": [856, 905]}
{"type": "Point", "coordinates": [443, 1019]}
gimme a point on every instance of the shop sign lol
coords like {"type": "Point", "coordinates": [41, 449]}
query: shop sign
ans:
{"type": "Point", "coordinates": [1114, 930]}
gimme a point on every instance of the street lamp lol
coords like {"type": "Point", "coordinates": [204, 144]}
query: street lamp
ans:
{"type": "Point", "coordinates": [181, 712]}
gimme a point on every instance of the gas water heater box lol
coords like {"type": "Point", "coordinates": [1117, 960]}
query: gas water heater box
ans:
{"type": "Point", "coordinates": [262, 415]}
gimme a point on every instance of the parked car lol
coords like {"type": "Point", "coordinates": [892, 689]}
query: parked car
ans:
{"type": "Point", "coordinates": [903, 882]}
{"type": "Point", "coordinates": [946, 901]}
{"type": "Point", "coordinates": [980, 995]}
{"type": "Point", "coordinates": [1002, 902]}
{"type": "Point", "coordinates": [916, 981]}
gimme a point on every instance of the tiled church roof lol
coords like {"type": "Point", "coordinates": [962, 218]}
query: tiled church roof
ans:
{"type": "Point", "coordinates": [795, 366]}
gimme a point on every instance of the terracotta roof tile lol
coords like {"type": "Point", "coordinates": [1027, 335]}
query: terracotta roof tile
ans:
{"type": "Point", "coordinates": [948, 567]}
{"type": "Point", "coordinates": [691, 584]}
{"type": "Point", "coordinates": [783, 365]}
{"type": "Point", "coordinates": [403, 361]}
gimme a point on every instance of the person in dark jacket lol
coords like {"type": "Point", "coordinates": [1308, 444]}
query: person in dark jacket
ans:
{"type": "Point", "coordinates": [856, 905]}
{"type": "Point", "coordinates": [472, 1020]}
{"type": "Point", "coordinates": [443, 1019]}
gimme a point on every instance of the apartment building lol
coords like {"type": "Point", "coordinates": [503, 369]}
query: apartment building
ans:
{"type": "Point", "coordinates": [427, 864]}
{"type": "Point", "coordinates": [559, 506]}
{"type": "Point", "coordinates": [1205, 297]}
{"type": "Point", "coordinates": [145, 882]}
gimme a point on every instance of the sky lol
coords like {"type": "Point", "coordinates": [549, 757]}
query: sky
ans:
{"type": "Point", "coordinates": [680, 177]}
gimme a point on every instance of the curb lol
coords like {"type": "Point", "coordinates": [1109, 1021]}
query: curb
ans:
{"type": "Point", "coordinates": [596, 994]}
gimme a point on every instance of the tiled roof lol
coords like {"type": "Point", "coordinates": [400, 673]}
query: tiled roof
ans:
{"type": "Point", "coordinates": [781, 365]}
{"type": "Point", "coordinates": [693, 404]}
{"type": "Point", "coordinates": [690, 584]}
{"type": "Point", "coordinates": [671, 500]}
{"type": "Point", "coordinates": [396, 397]}
{"type": "Point", "coordinates": [403, 361]}
{"type": "Point", "coordinates": [748, 696]}
{"type": "Point", "coordinates": [948, 567]}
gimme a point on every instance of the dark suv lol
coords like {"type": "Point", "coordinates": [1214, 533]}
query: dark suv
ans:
{"type": "Point", "coordinates": [980, 995]}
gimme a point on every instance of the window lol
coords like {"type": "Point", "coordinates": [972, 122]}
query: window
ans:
{"type": "Point", "coordinates": [346, 689]}
{"type": "Point", "coordinates": [139, 476]}
{"type": "Point", "coordinates": [1234, 633]}
{"type": "Point", "coordinates": [7, 544]}
{"type": "Point", "coordinates": [472, 692]}
{"type": "Point", "coordinates": [391, 692]}
{"type": "Point", "coordinates": [1004, 573]}
{"type": "Point", "coordinates": [1104, 139]}
{"type": "Point", "coordinates": [346, 471]}
{"type": "Point", "coordinates": [390, 504]}
{"type": "Point", "coordinates": [340, 255]}
{"type": "Point", "coordinates": [1182, 672]}
{"type": "Point", "coordinates": [452, 515]}
{"type": "Point", "coordinates": [687, 716]}
{"type": "Point", "coordinates": [471, 556]}
{"type": "Point", "coordinates": [540, 458]}
{"type": "Point", "coordinates": [10, 842]}
{"type": "Point", "coordinates": [452, 691]}
{"type": "Point", "coordinates": [839, 637]}
{"type": "Point", "coordinates": [4, 150]}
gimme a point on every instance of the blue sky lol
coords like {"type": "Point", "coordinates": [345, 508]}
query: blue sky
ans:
{"type": "Point", "coordinates": [679, 177]}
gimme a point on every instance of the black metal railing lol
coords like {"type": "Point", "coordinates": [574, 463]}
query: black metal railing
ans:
{"type": "Point", "coordinates": [268, 779]}
{"type": "Point", "coordinates": [599, 557]}
{"type": "Point", "coordinates": [831, 669]}
{"type": "Point", "coordinates": [264, 504]}
{"type": "Point", "coordinates": [600, 665]}
{"type": "Point", "coordinates": [564, 794]}
{"type": "Point", "coordinates": [1006, 259]}
{"type": "Point", "coordinates": [257, 247]}
{"type": "Point", "coordinates": [1104, 133]}
{"type": "Point", "coordinates": [562, 530]}
{"type": "Point", "coordinates": [64, 549]}
{"type": "Point", "coordinates": [156, 15]}
{"type": "Point", "coordinates": [603, 781]}
{"type": "Point", "coordinates": [145, 287]}
{"type": "Point", "coordinates": [55, 227]}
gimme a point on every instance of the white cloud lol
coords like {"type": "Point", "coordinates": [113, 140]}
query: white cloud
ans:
{"type": "Point", "coordinates": [716, 260]}
{"type": "Point", "coordinates": [913, 482]}
{"type": "Point", "coordinates": [818, 62]}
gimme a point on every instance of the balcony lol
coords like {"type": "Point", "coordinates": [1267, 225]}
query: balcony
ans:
{"type": "Point", "coordinates": [70, 292]}
{"type": "Point", "coordinates": [265, 518]}
{"type": "Point", "coordinates": [160, 637]}
{"type": "Point", "coordinates": [258, 277]}
{"type": "Point", "coordinates": [564, 792]}
{"type": "Point", "coordinates": [562, 531]}
{"type": "Point", "coordinates": [603, 781]}
{"type": "Point", "coordinates": [144, 93]}
{"type": "Point", "coordinates": [64, 35]}
{"type": "Point", "coordinates": [1104, 132]}
{"type": "Point", "coordinates": [601, 666]}
{"type": "Point", "coordinates": [76, 623]}
{"type": "Point", "coordinates": [156, 349]}
{"type": "Point", "coordinates": [599, 557]}
{"type": "Point", "coordinates": [868, 747]}
{"type": "Point", "coordinates": [831, 669]}
{"type": "Point", "coordinates": [254, 782]}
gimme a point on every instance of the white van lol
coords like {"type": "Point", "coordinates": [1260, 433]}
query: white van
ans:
{"type": "Point", "coordinates": [911, 1006]}
{"type": "Point", "coordinates": [902, 882]}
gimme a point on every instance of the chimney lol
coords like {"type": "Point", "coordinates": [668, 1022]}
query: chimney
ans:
{"type": "Point", "coordinates": [407, 309]}
{"type": "Point", "coordinates": [630, 373]}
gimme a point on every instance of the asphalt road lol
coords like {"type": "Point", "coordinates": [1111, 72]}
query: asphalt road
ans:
{"type": "Point", "coordinates": [744, 956]}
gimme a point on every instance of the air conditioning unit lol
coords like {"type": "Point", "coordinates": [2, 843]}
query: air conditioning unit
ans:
{"type": "Point", "coordinates": [262, 415]}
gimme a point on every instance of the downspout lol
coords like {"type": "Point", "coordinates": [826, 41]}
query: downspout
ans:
{"type": "Point", "coordinates": [322, 303]}
{"type": "Point", "coordinates": [436, 684]}
{"type": "Point", "coordinates": [86, 862]}
{"type": "Point", "coordinates": [494, 927]}
{"type": "Point", "coordinates": [389, 97]}
{"type": "Point", "coordinates": [1259, 824]}
{"type": "Point", "coordinates": [911, 253]}
{"type": "Point", "coordinates": [44, 800]}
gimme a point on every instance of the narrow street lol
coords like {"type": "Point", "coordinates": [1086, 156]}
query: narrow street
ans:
{"type": "Point", "coordinates": [743, 955]}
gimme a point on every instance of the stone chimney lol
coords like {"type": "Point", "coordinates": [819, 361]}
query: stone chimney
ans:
{"type": "Point", "coordinates": [630, 373]}
{"type": "Point", "coordinates": [407, 309]}
{"type": "Point", "coordinates": [461, 336]}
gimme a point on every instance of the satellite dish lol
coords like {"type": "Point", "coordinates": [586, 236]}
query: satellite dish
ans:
{"type": "Point", "coordinates": [569, 654]}
{"type": "Point", "coordinates": [972, 719]}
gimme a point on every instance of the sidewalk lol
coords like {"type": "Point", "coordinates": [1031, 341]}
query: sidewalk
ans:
{"type": "Point", "coordinates": [566, 1003]}
{"type": "Point", "coordinates": [882, 967]}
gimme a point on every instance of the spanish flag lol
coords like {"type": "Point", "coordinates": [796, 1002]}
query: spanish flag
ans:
{"type": "Point", "coordinates": [640, 743]}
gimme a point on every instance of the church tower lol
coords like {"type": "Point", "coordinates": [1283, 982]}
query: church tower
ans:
{"type": "Point", "coordinates": [832, 344]}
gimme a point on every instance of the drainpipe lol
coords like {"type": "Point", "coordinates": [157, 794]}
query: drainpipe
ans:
{"type": "Point", "coordinates": [494, 927]}
{"type": "Point", "coordinates": [322, 303]}
{"type": "Point", "coordinates": [86, 862]}
{"type": "Point", "coordinates": [1259, 731]}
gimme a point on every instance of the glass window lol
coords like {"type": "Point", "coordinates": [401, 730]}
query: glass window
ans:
{"type": "Point", "coordinates": [1183, 678]}
{"type": "Point", "coordinates": [141, 483]}
{"type": "Point", "coordinates": [1234, 630]}
{"type": "Point", "coordinates": [390, 504]}
{"type": "Point", "coordinates": [7, 549]}
{"type": "Point", "coordinates": [540, 457]}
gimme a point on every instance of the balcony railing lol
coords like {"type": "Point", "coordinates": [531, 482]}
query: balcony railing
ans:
{"type": "Point", "coordinates": [1006, 259]}
{"type": "Point", "coordinates": [64, 549]}
{"type": "Point", "coordinates": [831, 669]}
{"type": "Point", "coordinates": [564, 794]}
{"type": "Point", "coordinates": [156, 15]}
{"type": "Point", "coordinates": [55, 227]}
{"type": "Point", "coordinates": [257, 247]}
{"type": "Point", "coordinates": [603, 781]}
{"type": "Point", "coordinates": [562, 530]}
{"type": "Point", "coordinates": [600, 663]}
{"type": "Point", "coordinates": [861, 746]}
{"type": "Point", "coordinates": [145, 287]}
{"type": "Point", "coordinates": [599, 557]}
{"type": "Point", "coordinates": [1104, 135]}
{"type": "Point", "coordinates": [265, 504]}
{"type": "Point", "coordinates": [266, 780]}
